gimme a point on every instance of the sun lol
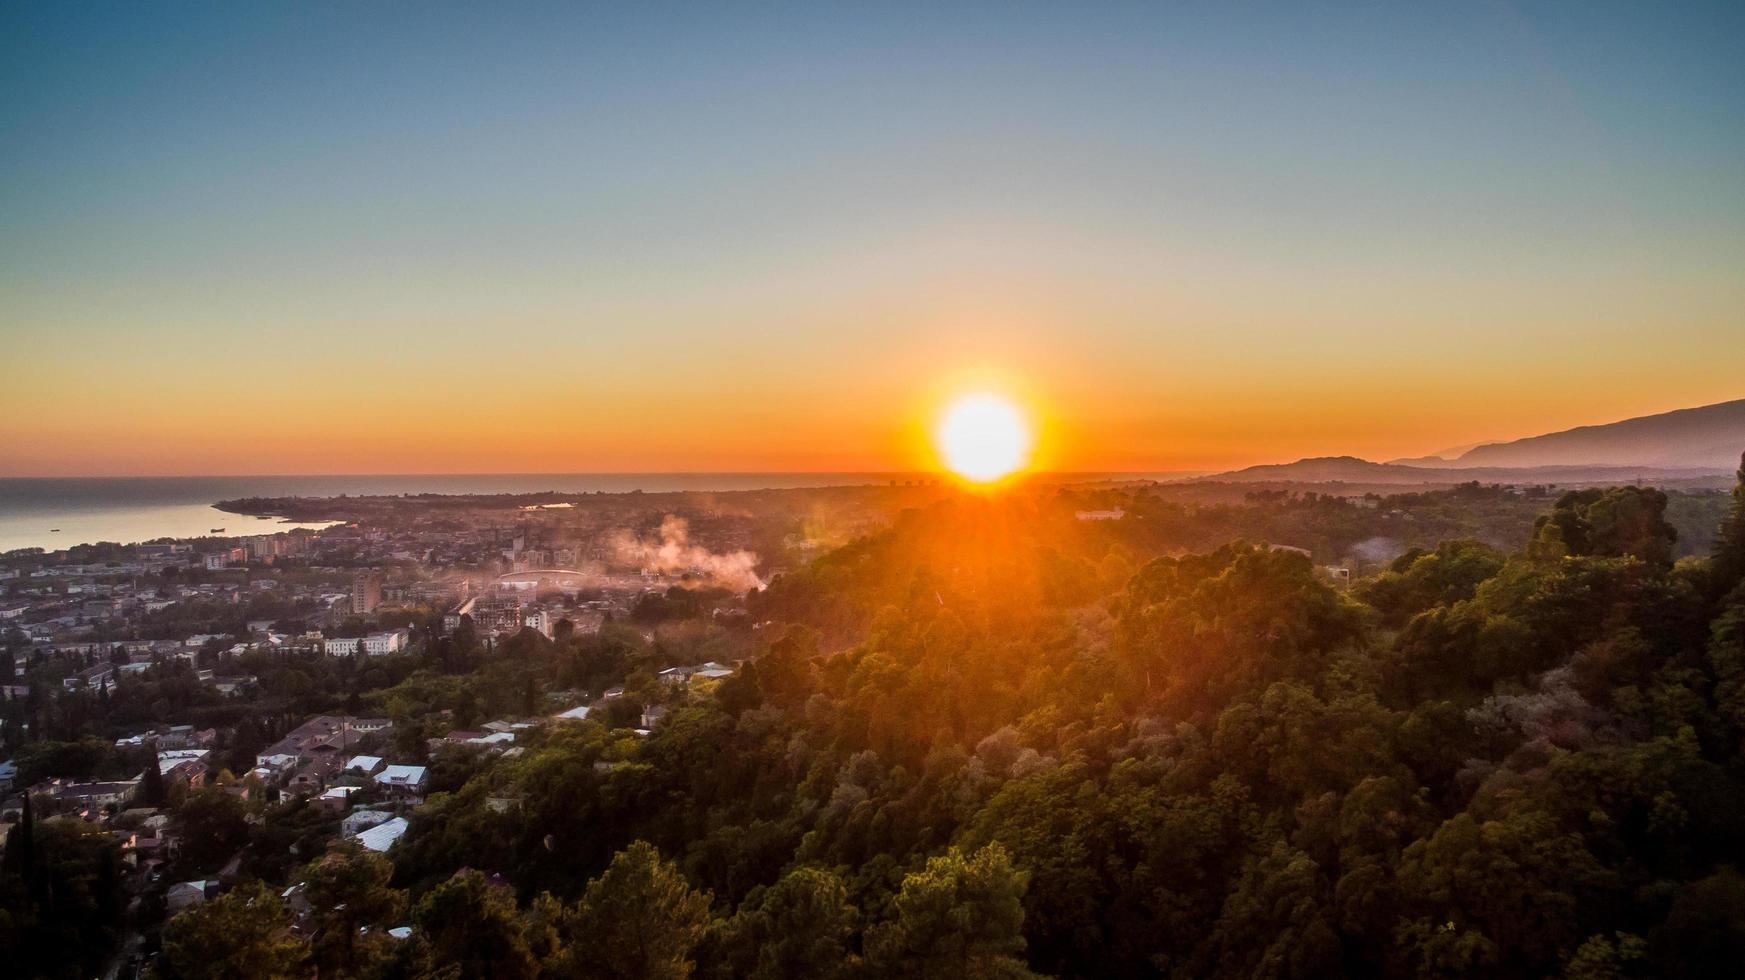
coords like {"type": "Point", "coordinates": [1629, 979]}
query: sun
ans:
{"type": "Point", "coordinates": [983, 437]}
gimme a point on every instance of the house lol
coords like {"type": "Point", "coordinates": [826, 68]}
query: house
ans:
{"type": "Point", "coordinates": [186, 893]}
{"type": "Point", "coordinates": [364, 766]}
{"type": "Point", "coordinates": [402, 781]}
{"type": "Point", "coordinates": [323, 735]}
{"type": "Point", "coordinates": [335, 800]}
{"type": "Point", "coordinates": [311, 777]}
{"type": "Point", "coordinates": [495, 742]}
{"type": "Point", "coordinates": [359, 821]}
{"type": "Point", "coordinates": [93, 795]}
{"type": "Point", "coordinates": [574, 714]}
{"type": "Point", "coordinates": [383, 835]}
{"type": "Point", "coordinates": [101, 675]}
{"type": "Point", "coordinates": [184, 766]}
{"type": "Point", "coordinates": [652, 715]}
{"type": "Point", "coordinates": [712, 671]}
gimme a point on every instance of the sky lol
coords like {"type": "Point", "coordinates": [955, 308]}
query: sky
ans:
{"type": "Point", "coordinates": [249, 238]}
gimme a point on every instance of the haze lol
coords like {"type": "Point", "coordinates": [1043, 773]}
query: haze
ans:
{"type": "Point", "coordinates": [322, 238]}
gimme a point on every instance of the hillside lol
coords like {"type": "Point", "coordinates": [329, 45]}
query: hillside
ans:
{"type": "Point", "coordinates": [1352, 470]}
{"type": "Point", "coordinates": [1710, 437]}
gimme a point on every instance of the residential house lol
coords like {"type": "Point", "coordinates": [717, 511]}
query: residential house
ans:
{"type": "Point", "coordinates": [402, 781]}
{"type": "Point", "coordinates": [186, 893]}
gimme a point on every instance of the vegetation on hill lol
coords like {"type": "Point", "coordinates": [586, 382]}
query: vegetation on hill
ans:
{"type": "Point", "coordinates": [997, 741]}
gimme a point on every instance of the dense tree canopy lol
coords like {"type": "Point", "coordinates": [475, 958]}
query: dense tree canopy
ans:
{"type": "Point", "coordinates": [992, 740]}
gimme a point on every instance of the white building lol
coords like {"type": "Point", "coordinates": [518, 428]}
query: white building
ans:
{"type": "Point", "coordinates": [374, 645]}
{"type": "Point", "coordinates": [383, 835]}
{"type": "Point", "coordinates": [358, 821]}
{"type": "Point", "coordinates": [404, 780]}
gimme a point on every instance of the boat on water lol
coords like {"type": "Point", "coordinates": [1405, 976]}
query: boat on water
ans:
{"type": "Point", "coordinates": [216, 530]}
{"type": "Point", "coordinates": [54, 530]}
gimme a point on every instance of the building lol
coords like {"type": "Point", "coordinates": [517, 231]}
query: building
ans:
{"type": "Point", "coordinates": [335, 800]}
{"type": "Point", "coordinates": [712, 671]}
{"type": "Point", "coordinates": [93, 795]}
{"type": "Point", "coordinates": [402, 781]}
{"type": "Point", "coordinates": [358, 821]}
{"type": "Point", "coordinates": [374, 645]}
{"type": "Point", "coordinates": [1100, 515]}
{"type": "Point", "coordinates": [366, 593]}
{"type": "Point", "coordinates": [364, 766]}
{"type": "Point", "coordinates": [323, 735]}
{"type": "Point", "coordinates": [183, 894]}
{"type": "Point", "coordinates": [491, 614]}
{"type": "Point", "coordinates": [451, 619]}
{"type": "Point", "coordinates": [539, 620]}
{"type": "Point", "coordinates": [383, 835]}
{"type": "Point", "coordinates": [101, 675]}
{"type": "Point", "coordinates": [184, 766]}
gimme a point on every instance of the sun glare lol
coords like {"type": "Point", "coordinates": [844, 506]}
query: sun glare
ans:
{"type": "Point", "coordinates": [983, 437]}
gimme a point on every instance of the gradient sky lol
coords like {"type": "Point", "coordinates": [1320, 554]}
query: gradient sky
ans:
{"type": "Point", "coordinates": [394, 237]}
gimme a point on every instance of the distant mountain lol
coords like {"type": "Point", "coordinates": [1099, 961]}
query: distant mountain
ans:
{"type": "Point", "coordinates": [1706, 438]}
{"type": "Point", "coordinates": [1352, 470]}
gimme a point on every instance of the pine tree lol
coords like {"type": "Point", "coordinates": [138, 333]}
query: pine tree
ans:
{"type": "Point", "coordinates": [151, 786]}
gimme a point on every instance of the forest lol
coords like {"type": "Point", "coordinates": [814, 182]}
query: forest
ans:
{"type": "Point", "coordinates": [996, 741]}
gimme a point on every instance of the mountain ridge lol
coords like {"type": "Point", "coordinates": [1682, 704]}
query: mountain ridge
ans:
{"type": "Point", "coordinates": [1702, 437]}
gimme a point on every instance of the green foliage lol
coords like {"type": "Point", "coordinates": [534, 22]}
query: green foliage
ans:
{"type": "Point", "coordinates": [212, 825]}
{"type": "Point", "coordinates": [472, 924]}
{"type": "Point", "coordinates": [801, 926]}
{"type": "Point", "coordinates": [1612, 523]}
{"type": "Point", "coordinates": [638, 920]}
{"type": "Point", "coordinates": [960, 917]}
{"type": "Point", "coordinates": [348, 890]}
{"type": "Point", "coordinates": [60, 898]}
{"type": "Point", "coordinates": [241, 935]}
{"type": "Point", "coordinates": [992, 739]}
{"type": "Point", "coordinates": [1419, 579]}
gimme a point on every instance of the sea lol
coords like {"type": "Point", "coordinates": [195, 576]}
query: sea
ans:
{"type": "Point", "coordinates": [59, 512]}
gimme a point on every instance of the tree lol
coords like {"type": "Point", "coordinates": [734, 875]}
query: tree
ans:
{"type": "Point", "coordinates": [798, 927]}
{"type": "Point", "coordinates": [1729, 562]}
{"type": "Point", "coordinates": [243, 935]}
{"type": "Point", "coordinates": [20, 857]}
{"type": "Point", "coordinates": [640, 919]}
{"type": "Point", "coordinates": [347, 890]}
{"type": "Point", "coordinates": [1704, 931]}
{"type": "Point", "coordinates": [1612, 523]}
{"type": "Point", "coordinates": [212, 825]}
{"type": "Point", "coordinates": [471, 923]}
{"type": "Point", "coordinates": [60, 899]}
{"type": "Point", "coordinates": [151, 783]}
{"type": "Point", "coordinates": [960, 917]}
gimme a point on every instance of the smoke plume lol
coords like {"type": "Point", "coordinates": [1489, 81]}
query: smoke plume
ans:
{"type": "Point", "coordinates": [674, 554]}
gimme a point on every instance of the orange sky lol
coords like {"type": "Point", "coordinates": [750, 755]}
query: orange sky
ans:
{"type": "Point", "coordinates": [1185, 237]}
